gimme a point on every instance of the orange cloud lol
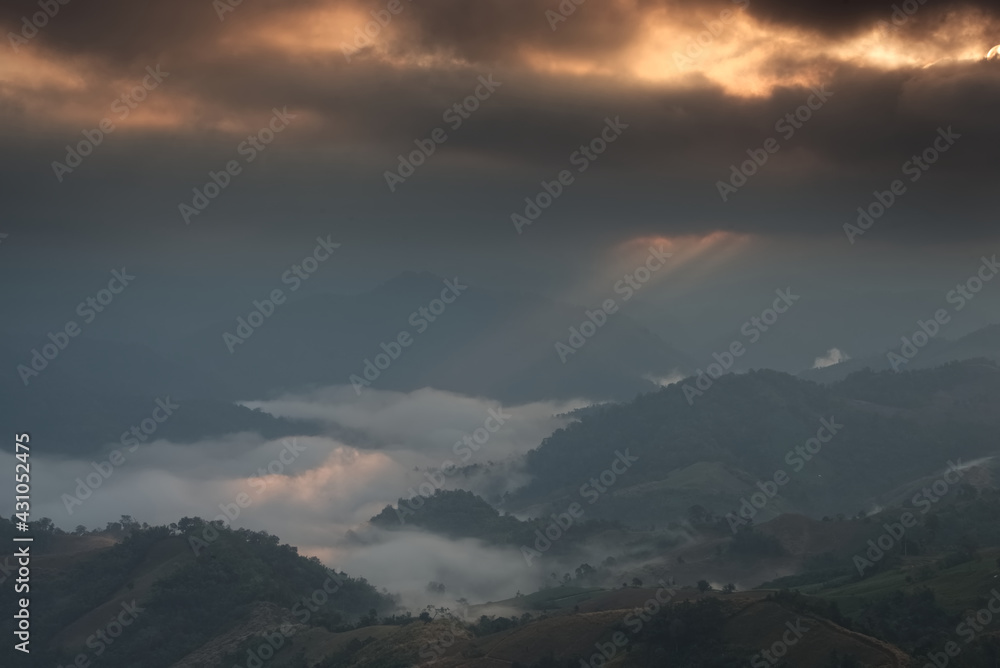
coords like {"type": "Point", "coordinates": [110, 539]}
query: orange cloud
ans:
{"type": "Point", "coordinates": [669, 49]}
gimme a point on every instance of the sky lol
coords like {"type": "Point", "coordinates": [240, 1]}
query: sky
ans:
{"type": "Point", "coordinates": [205, 145]}
{"type": "Point", "coordinates": [693, 86]}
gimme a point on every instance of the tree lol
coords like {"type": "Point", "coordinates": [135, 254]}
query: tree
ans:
{"type": "Point", "coordinates": [729, 588]}
{"type": "Point", "coordinates": [698, 515]}
{"type": "Point", "coordinates": [933, 524]}
{"type": "Point", "coordinates": [703, 586]}
{"type": "Point", "coordinates": [636, 582]}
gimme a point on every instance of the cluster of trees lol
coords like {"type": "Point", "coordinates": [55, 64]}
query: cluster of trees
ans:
{"type": "Point", "coordinates": [686, 635]}
{"type": "Point", "coordinates": [916, 623]}
{"type": "Point", "coordinates": [750, 545]}
{"type": "Point", "coordinates": [44, 529]}
{"type": "Point", "coordinates": [462, 514]}
{"type": "Point", "coordinates": [198, 599]}
{"type": "Point", "coordinates": [457, 514]}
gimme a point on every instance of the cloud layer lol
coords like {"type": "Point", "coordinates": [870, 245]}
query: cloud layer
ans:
{"type": "Point", "coordinates": [315, 492]}
{"type": "Point", "coordinates": [698, 85]}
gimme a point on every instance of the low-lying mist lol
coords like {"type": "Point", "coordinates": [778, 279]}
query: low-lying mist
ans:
{"type": "Point", "coordinates": [318, 493]}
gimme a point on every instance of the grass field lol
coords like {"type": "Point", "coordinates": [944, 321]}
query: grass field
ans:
{"type": "Point", "coordinates": [956, 588]}
{"type": "Point", "coordinates": [556, 598]}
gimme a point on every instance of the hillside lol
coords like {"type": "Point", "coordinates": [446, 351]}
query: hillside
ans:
{"type": "Point", "coordinates": [981, 344]}
{"type": "Point", "coordinates": [870, 434]}
{"type": "Point", "coordinates": [177, 594]}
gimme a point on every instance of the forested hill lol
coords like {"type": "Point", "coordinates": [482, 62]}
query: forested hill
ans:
{"type": "Point", "coordinates": [880, 429]}
{"type": "Point", "coordinates": [193, 588]}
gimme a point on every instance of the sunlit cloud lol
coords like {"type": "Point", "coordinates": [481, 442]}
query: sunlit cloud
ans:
{"type": "Point", "coordinates": [832, 356]}
{"type": "Point", "coordinates": [666, 381]}
{"type": "Point", "coordinates": [747, 57]}
{"type": "Point", "coordinates": [678, 49]}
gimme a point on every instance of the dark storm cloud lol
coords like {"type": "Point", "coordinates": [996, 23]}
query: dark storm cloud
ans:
{"type": "Point", "coordinates": [122, 32]}
{"type": "Point", "coordinates": [659, 178]}
{"type": "Point", "coordinates": [493, 29]}
{"type": "Point", "coordinates": [356, 117]}
{"type": "Point", "coordinates": [839, 18]}
{"type": "Point", "coordinates": [682, 140]}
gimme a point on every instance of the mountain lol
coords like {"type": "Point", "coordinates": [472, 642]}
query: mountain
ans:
{"type": "Point", "coordinates": [455, 337]}
{"type": "Point", "coordinates": [93, 393]}
{"type": "Point", "coordinates": [482, 343]}
{"type": "Point", "coordinates": [187, 595]}
{"type": "Point", "coordinates": [983, 343]}
{"type": "Point", "coordinates": [834, 448]}
{"type": "Point", "coordinates": [822, 319]}
{"type": "Point", "coordinates": [155, 597]}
